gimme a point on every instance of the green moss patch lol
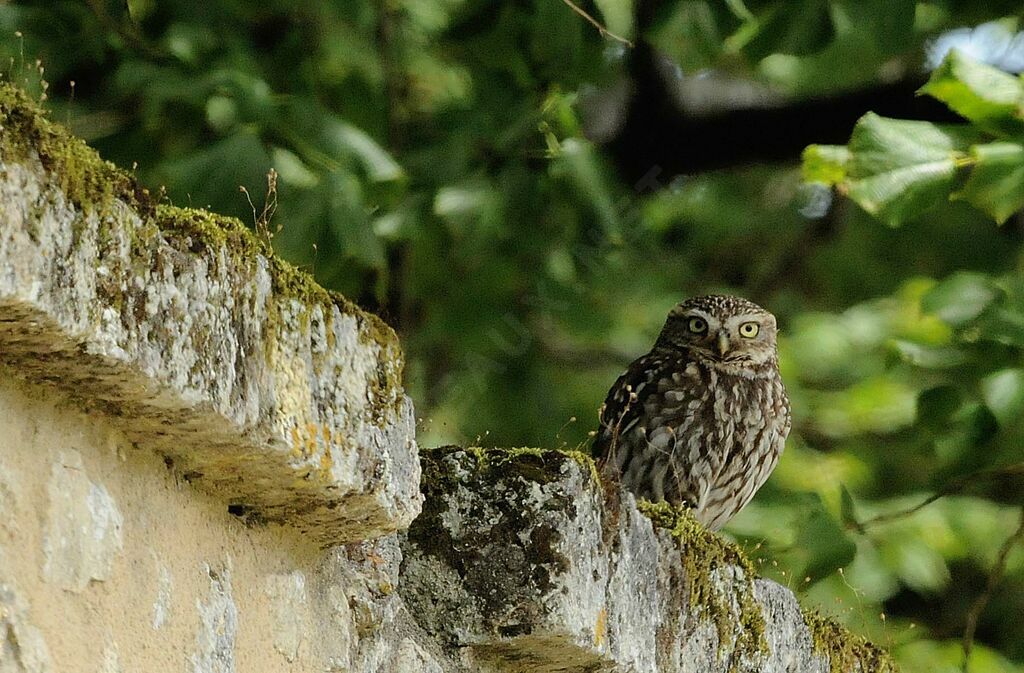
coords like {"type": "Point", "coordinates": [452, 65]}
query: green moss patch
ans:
{"type": "Point", "coordinates": [703, 553]}
{"type": "Point", "coordinates": [524, 457]}
{"type": "Point", "coordinates": [87, 180]}
{"type": "Point", "coordinates": [846, 652]}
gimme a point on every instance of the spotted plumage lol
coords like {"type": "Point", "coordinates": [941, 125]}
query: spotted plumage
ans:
{"type": "Point", "coordinates": [702, 418]}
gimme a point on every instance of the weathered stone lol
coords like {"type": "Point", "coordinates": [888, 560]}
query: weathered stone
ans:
{"type": "Point", "coordinates": [181, 326]}
{"type": "Point", "coordinates": [22, 649]}
{"type": "Point", "coordinates": [164, 587]}
{"type": "Point", "coordinates": [287, 594]}
{"type": "Point", "coordinates": [190, 588]}
{"type": "Point", "coordinates": [361, 615]}
{"type": "Point", "coordinates": [83, 529]}
{"type": "Point", "coordinates": [411, 658]}
{"type": "Point", "coordinates": [521, 558]}
{"type": "Point", "coordinates": [218, 626]}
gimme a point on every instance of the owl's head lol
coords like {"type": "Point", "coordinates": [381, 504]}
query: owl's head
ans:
{"type": "Point", "coordinates": [722, 330]}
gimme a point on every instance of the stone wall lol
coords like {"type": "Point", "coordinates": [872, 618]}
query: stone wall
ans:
{"type": "Point", "coordinates": [208, 464]}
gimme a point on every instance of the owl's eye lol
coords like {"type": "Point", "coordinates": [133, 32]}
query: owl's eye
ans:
{"type": "Point", "coordinates": [749, 329]}
{"type": "Point", "coordinates": [697, 325]}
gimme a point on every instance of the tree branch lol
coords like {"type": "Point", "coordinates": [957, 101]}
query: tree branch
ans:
{"type": "Point", "coordinates": [953, 487]}
{"type": "Point", "coordinates": [993, 579]}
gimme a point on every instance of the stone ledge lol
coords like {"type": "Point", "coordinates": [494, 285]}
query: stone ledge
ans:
{"type": "Point", "coordinates": [521, 558]}
{"type": "Point", "coordinates": [183, 328]}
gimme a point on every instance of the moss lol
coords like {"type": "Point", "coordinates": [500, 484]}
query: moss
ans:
{"type": "Point", "coordinates": [846, 652]}
{"type": "Point", "coordinates": [539, 465]}
{"type": "Point", "coordinates": [703, 552]}
{"type": "Point", "coordinates": [523, 457]}
{"type": "Point", "coordinates": [209, 231]}
{"type": "Point", "coordinates": [88, 181]}
{"type": "Point", "coordinates": [93, 185]}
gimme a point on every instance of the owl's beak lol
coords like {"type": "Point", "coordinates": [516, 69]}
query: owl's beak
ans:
{"type": "Point", "coordinates": [723, 344]}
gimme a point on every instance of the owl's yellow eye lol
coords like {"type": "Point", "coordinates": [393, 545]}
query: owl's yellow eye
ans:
{"type": "Point", "coordinates": [749, 329]}
{"type": "Point", "coordinates": [697, 325]}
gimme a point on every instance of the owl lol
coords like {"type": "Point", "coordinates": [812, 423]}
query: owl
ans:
{"type": "Point", "coordinates": [701, 419]}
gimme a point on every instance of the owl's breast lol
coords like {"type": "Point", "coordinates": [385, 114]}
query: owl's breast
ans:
{"type": "Point", "coordinates": [704, 419]}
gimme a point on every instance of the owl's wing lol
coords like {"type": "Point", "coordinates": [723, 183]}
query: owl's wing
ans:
{"type": "Point", "coordinates": [624, 406]}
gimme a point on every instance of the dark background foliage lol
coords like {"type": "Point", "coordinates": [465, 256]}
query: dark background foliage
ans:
{"type": "Point", "coordinates": [524, 199]}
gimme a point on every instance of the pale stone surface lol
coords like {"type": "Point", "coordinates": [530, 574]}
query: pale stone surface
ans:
{"type": "Point", "coordinates": [165, 587]}
{"type": "Point", "coordinates": [22, 648]}
{"type": "Point", "coordinates": [83, 528]}
{"type": "Point", "coordinates": [289, 408]}
{"type": "Point", "coordinates": [287, 594]}
{"type": "Point", "coordinates": [218, 626]}
{"type": "Point", "coordinates": [411, 658]}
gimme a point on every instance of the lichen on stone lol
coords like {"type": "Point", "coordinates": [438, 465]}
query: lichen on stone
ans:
{"type": "Point", "coordinates": [703, 553]}
{"type": "Point", "coordinates": [494, 518]}
{"type": "Point", "coordinates": [846, 652]}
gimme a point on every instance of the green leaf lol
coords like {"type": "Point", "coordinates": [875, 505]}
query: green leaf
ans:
{"type": "Point", "coordinates": [898, 169]}
{"type": "Point", "coordinates": [826, 543]}
{"type": "Point", "coordinates": [138, 10]}
{"type": "Point", "coordinates": [292, 169]}
{"type": "Point", "coordinates": [690, 33]}
{"type": "Point", "coordinates": [918, 565]}
{"type": "Point", "coordinates": [961, 298]}
{"type": "Point", "coordinates": [798, 27]}
{"type": "Point", "coordinates": [887, 23]}
{"type": "Point", "coordinates": [996, 182]}
{"type": "Point", "coordinates": [346, 213]}
{"type": "Point", "coordinates": [936, 406]}
{"type": "Point", "coordinates": [1003, 326]}
{"type": "Point", "coordinates": [378, 163]}
{"type": "Point", "coordinates": [825, 163]}
{"type": "Point", "coordinates": [983, 94]}
{"type": "Point", "coordinates": [929, 357]}
{"type": "Point", "coordinates": [1004, 395]}
{"type": "Point", "coordinates": [961, 447]}
{"type": "Point", "coordinates": [847, 510]}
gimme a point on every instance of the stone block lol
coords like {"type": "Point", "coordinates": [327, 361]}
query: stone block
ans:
{"type": "Point", "coordinates": [184, 329]}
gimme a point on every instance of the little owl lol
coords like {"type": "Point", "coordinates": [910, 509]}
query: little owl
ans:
{"type": "Point", "coordinates": [702, 418]}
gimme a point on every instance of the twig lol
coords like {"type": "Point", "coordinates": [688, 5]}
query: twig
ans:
{"type": "Point", "coordinates": [951, 488]}
{"type": "Point", "coordinates": [261, 220]}
{"type": "Point", "coordinates": [597, 24]}
{"type": "Point", "coordinates": [993, 579]}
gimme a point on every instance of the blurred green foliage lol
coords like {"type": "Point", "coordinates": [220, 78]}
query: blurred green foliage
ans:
{"type": "Point", "coordinates": [432, 166]}
{"type": "Point", "coordinates": [898, 169]}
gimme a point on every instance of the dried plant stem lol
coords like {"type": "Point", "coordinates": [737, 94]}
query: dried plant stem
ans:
{"type": "Point", "coordinates": [597, 24]}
